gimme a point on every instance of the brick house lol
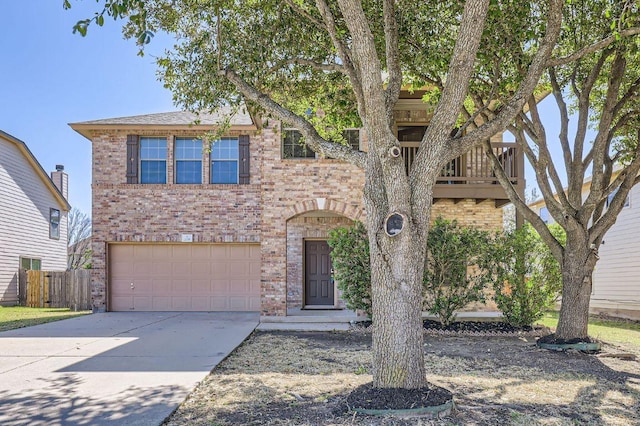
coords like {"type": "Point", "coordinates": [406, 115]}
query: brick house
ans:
{"type": "Point", "coordinates": [243, 226]}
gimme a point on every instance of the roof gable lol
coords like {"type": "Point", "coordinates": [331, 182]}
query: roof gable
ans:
{"type": "Point", "coordinates": [37, 168]}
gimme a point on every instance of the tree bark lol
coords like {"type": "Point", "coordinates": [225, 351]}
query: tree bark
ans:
{"type": "Point", "coordinates": [396, 287]}
{"type": "Point", "coordinates": [577, 270]}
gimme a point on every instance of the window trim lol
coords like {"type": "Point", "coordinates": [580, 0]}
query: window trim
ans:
{"type": "Point", "coordinates": [54, 223]}
{"type": "Point", "coordinates": [157, 160]}
{"type": "Point", "coordinates": [176, 160]}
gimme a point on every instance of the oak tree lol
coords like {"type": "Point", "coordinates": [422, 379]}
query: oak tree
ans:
{"type": "Point", "coordinates": [349, 60]}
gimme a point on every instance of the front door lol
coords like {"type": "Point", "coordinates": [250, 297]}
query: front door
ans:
{"type": "Point", "coordinates": [318, 282]}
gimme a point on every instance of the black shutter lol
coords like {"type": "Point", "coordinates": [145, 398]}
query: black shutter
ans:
{"type": "Point", "coordinates": [243, 144]}
{"type": "Point", "coordinates": [132, 158]}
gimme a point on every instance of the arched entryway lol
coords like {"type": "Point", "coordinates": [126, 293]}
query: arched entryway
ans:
{"type": "Point", "coordinates": [310, 283]}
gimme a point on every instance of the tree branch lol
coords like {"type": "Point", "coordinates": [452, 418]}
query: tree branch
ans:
{"type": "Point", "coordinates": [305, 14]}
{"type": "Point", "coordinates": [531, 216]}
{"type": "Point", "coordinates": [606, 118]}
{"type": "Point", "coordinates": [593, 47]}
{"type": "Point", "coordinates": [312, 138]}
{"type": "Point", "coordinates": [527, 86]}
{"type": "Point", "coordinates": [564, 122]}
{"type": "Point", "coordinates": [393, 57]}
{"type": "Point", "coordinates": [343, 53]}
{"type": "Point", "coordinates": [307, 62]}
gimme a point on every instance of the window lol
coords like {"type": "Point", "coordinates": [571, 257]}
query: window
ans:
{"type": "Point", "coordinates": [293, 145]}
{"type": "Point", "coordinates": [30, 264]}
{"type": "Point", "coordinates": [153, 160]}
{"type": "Point", "coordinates": [544, 214]}
{"type": "Point", "coordinates": [613, 194]}
{"type": "Point", "coordinates": [188, 156]}
{"type": "Point", "coordinates": [54, 224]}
{"type": "Point", "coordinates": [224, 161]}
{"type": "Point", "coordinates": [352, 136]}
{"type": "Point", "coordinates": [411, 133]}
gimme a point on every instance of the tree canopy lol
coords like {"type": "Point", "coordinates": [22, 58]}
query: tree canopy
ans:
{"type": "Point", "coordinates": [595, 82]}
{"type": "Point", "coordinates": [320, 66]}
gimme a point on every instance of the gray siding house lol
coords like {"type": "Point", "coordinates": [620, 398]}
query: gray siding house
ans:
{"type": "Point", "coordinates": [33, 226]}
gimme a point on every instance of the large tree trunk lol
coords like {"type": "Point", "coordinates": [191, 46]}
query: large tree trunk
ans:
{"type": "Point", "coordinates": [397, 265]}
{"type": "Point", "coordinates": [577, 270]}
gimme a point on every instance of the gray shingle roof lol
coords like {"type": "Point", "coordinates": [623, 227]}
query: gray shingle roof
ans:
{"type": "Point", "coordinates": [176, 118]}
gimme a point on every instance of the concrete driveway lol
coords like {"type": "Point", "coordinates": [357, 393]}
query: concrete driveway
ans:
{"type": "Point", "coordinates": [112, 368]}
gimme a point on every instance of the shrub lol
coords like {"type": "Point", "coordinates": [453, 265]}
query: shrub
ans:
{"type": "Point", "coordinates": [350, 261]}
{"type": "Point", "coordinates": [456, 270]}
{"type": "Point", "coordinates": [528, 277]}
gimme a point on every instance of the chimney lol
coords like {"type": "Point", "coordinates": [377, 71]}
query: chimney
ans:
{"type": "Point", "coordinates": [61, 180]}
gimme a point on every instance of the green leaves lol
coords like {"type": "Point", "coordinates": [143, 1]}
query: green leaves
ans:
{"type": "Point", "coordinates": [456, 269]}
{"type": "Point", "coordinates": [528, 277]}
{"type": "Point", "coordinates": [350, 261]}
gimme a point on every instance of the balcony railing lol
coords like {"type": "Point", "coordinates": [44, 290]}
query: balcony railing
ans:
{"type": "Point", "coordinates": [471, 174]}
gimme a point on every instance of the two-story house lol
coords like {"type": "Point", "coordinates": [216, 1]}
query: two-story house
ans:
{"type": "Point", "coordinates": [243, 225]}
{"type": "Point", "coordinates": [33, 227]}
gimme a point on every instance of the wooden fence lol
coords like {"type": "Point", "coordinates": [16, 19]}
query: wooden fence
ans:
{"type": "Point", "coordinates": [46, 289]}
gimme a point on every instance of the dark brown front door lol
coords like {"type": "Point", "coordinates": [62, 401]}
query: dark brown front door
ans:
{"type": "Point", "coordinates": [318, 282]}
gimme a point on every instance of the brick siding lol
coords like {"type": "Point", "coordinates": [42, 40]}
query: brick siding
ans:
{"type": "Point", "coordinates": [283, 205]}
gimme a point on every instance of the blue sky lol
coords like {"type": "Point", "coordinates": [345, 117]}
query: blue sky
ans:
{"type": "Point", "coordinates": [51, 77]}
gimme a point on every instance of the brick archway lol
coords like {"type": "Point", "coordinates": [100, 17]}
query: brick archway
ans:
{"type": "Point", "coordinates": [351, 211]}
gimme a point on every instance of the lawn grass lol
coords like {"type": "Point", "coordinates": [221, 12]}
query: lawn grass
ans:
{"type": "Point", "coordinates": [12, 317]}
{"type": "Point", "coordinates": [611, 331]}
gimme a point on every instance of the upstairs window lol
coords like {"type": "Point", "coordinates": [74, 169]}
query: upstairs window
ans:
{"type": "Point", "coordinates": [153, 160]}
{"type": "Point", "coordinates": [188, 157]}
{"type": "Point", "coordinates": [293, 145]}
{"type": "Point", "coordinates": [544, 215]}
{"type": "Point", "coordinates": [224, 161]}
{"type": "Point", "coordinates": [411, 133]}
{"type": "Point", "coordinates": [352, 136]}
{"type": "Point", "coordinates": [627, 201]}
{"type": "Point", "coordinates": [54, 224]}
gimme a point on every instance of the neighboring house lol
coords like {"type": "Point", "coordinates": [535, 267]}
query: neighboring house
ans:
{"type": "Point", "coordinates": [243, 226]}
{"type": "Point", "coordinates": [616, 278]}
{"type": "Point", "coordinates": [33, 227]}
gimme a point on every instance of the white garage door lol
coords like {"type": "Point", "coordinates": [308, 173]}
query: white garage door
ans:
{"type": "Point", "coordinates": [184, 277]}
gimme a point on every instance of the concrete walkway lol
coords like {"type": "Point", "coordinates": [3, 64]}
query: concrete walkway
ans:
{"type": "Point", "coordinates": [112, 368]}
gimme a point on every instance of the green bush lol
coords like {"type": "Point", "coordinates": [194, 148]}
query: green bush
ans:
{"type": "Point", "coordinates": [350, 261]}
{"type": "Point", "coordinates": [528, 277]}
{"type": "Point", "coordinates": [457, 268]}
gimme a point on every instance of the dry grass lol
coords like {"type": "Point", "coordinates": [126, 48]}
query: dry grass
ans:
{"type": "Point", "coordinates": [302, 379]}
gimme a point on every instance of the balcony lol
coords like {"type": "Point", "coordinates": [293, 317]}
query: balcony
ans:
{"type": "Point", "coordinates": [470, 176]}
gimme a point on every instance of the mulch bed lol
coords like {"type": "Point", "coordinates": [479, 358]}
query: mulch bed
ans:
{"type": "Point", "coordinates": [476, 328]}
{"type": "Point", "coordinates": [370, 398]}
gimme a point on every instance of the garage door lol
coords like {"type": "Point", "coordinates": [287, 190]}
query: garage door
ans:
{"type": "Point", "coordinates": [184, 277]}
